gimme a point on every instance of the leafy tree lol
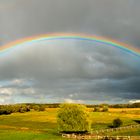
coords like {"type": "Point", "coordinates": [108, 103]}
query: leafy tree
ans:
{"type": "Point", "coordinates": [5, 110]}
{"type": "Point", "coordinates": [24, 108]}
{"type": "Point", "coordinates": [73, 118]}
{"type": "Point", "coordinates": [96, 109]}
{"type": "Point", "coordinates": [105, 108]}
{"type": "Point", "coordinates": [36, 107]}
{"type": "Point", "coordinates": [117, 122]}
{"type": "Point", "coordinates": [102, 105]}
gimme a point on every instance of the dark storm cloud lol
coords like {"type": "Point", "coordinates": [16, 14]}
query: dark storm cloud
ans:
{"type": "Point", "coordinates": [69, 70]}
{"type": "Point", "coordinates": [116, 19]}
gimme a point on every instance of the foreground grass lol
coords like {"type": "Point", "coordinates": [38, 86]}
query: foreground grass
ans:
{"type": "Point", "coordinates": [42, 125]}
{"type": "Point", "coordinates": [132, 132]}
{"type": "Point", "coordinates": [21, 135]}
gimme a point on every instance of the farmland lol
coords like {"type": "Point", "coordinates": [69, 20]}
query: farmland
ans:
{"type": "Point", "coordinates": [42, 125]}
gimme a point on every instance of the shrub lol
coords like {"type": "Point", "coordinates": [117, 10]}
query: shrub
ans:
{"type": "Point", "coordinates": [117, 122]}
{"type": "Point", "coordinates": [73, 118]}
{"type": "Point", "coordinates": [96, 109]}
{"type": "Point", "coordinates": [41, 108]}
{"type": "Point", "coordinates": [105, 108]}
{"type": "Point", "coordinates": [8, 109]}
{"type": "Point", "coordinates": [24, 108]}
{"type": "Point", "coordinates": [36, 107]}
{"type": "Point", "coordinates": [15, 108]}
{"type": "Point", "coordinates": [5, 110]}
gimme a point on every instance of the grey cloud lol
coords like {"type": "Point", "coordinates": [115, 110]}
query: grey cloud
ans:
{"type": "Point", "coordinates": [115, 19]}
{"type": "Point", "coordinates": [67, 70]}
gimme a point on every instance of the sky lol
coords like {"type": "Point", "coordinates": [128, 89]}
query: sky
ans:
{"type": "Point", "coordinates": [69, 70]}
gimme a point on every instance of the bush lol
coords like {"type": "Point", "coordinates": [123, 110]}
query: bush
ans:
{"type": "Point", "coordinates": [96, 109]}
{"type": "Point", "coordinates": [36, 107]}
{"type": "Point", "coordinates": [24, 108]}
{"type": "Point", "coordinates": [73, 118]}
{"type": "Point", "coordinates": [5, 110]}
{"type": "Point", "coordinates": [42, 108]}
{"type": "Point", "coordinates": [105, 109]}
{"type": "Point", "coordinates": [8, 109]}
{"type": "Point", "coordinates": [117, 122]}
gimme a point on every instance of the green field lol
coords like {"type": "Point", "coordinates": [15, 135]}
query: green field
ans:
{"type": "Point", "coordinates": [42, 125]}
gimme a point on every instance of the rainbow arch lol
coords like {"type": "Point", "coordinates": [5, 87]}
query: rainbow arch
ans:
{"type": "Point", "coordinates": [61, 36]}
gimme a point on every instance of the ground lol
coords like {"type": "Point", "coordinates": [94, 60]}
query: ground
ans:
{"type": "Point", "coordinates": [42, 125]}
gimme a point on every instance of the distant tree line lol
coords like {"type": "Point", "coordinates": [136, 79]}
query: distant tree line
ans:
{"type": "Point", "coordinates": [26, 107]}
{"type": "Point", "coordinates": [8, 109]}
{"type": "Point", "coordinates": [134, 105]}
{"type": "Point", "coordinates": [51, 105]}
{"type": "Point", "coordinates": [21, 108]}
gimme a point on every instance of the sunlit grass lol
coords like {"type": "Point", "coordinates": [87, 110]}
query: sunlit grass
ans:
{"type": "Point", "coordinates": [43, 125]}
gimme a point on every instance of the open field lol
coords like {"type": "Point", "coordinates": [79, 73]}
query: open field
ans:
{"type": "Point", "coordinates": [42, 125]}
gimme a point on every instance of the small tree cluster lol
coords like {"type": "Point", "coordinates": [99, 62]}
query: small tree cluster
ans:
{"type": "Point", "coordinates": [8, 109]}
{"type": "Point", "coordinates": [96, 109]}
{"type": "Point", "coordinates": [104, 108]}
{"type": "Point", "coordinates": [24, 108]}
{"type": "Point", "coordinates": [38, 107]}
{"type": "Point", "coordinates": [73, 118]}
{"type": "Point", "coordinates": [101, 108]}
{"type": "Point", "coordinates": [5, 110]}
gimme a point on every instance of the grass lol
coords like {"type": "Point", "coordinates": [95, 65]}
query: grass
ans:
{"type": "Point", "coordinates": [42, 125]}
{"type": "Point", "coordinates": [21, 135]}
{"type": "Point", "coordinates": [132, 132]}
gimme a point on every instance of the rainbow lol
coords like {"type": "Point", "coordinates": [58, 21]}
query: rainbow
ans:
{"type": "Point", "coordinates": [62, 36]}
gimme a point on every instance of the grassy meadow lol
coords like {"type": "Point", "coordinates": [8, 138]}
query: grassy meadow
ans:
{"type": "Point", "coordinates": [42, 125]}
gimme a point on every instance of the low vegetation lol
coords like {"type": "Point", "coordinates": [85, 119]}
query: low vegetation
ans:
{"type": "Point", "coordinates": [117, 123]}
{"type": "Point", "coordinates": [21, 108]}
{"type": "Point", "coordinates": [103, 108]}
{"type": "Point", "coordinates": [73, 118]}
{"type": "Point", "coordinates": [42, 125]}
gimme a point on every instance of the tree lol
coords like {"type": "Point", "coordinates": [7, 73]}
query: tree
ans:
{"type": "Point", "coordinates": [105, 108]}
{"type": "Point", "coordinates": [97, 109]}
{"type": "Point", "coordinates": [117, 122]}
{"type": "Point", "coordinates": [73, 118]}
{"type": "Point", "coordinates": [36, 107]}
{"type": "Point", "coordinates": [5, 110]}
{"type": "Point", "coordinates": [24, 108]}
